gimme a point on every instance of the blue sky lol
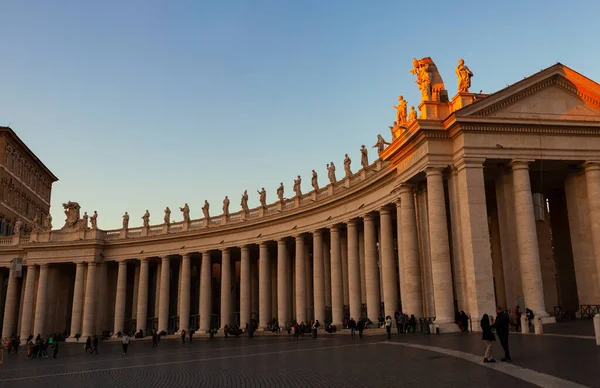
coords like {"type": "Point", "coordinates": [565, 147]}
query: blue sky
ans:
{"type": "Point", "coordinates": [139, 105]}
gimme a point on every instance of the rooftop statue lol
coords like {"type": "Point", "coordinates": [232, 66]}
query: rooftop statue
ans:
{"type": "Point", "coordinates": [381, 143]}
{"type": "Point", "coordinates": [331, 172]}
{"type": "Point", "coordinates": [314, 180]}
{"type": "Point", "coordinates": [464, 76]}
{"type": "Point", "coordinates": [186, 212]}
{"type": "Point", "coordinates": [125, 220]}
{"type": "Point", "coordinates": [280, 192]}
{"type": "Point", "coordinates": [226, 206]}
{"type": "Point", "coordinates": [48, 222]}
{"type": "Point", "coordinates": [35, 223]}
{"type": "Point", "coordinates": [73, 216]}
{"type": "Point", "coordinates": [205, 209]}
{"type": "Point", "coordinates": [84, 219]}
{"type": "Point", "coordinates": [347, 162]}
{"type": "Point", "coordinates": [263, 197]}
{"type": "Point", "coordinates": [245, 201]}
{"type": "Point", "coordinates": [297, 188]}
{"type": "Point", "coordinates": [400, 110]}
{"type": "Point", "coordinates": [94, 220]}
{"type": "Point", "coordinates": [167, 216]}
{"type": "Point", "coordinates": [17, 229]}
{"type": "Point", "coordinates": [412, 115]}
{"type": "Point", "coordinates": [146, 218]}
{"type": "Point", "coordinates": [429, 80]}
{"type": "Point", "coordinates": [364, 156]}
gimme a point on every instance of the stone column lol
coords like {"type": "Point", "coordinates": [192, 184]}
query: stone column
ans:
{"type": "Point", "coordinates": [121, 298]}
{"type": "Point", "coordinates": [337, 285]}
{"type": "Point", "coordinates": [412, 297]}
{"type": "Point", "coordinates": [282, 285]}
{"type": "Point", "coordinates": [344, 252]}
{"type": "Point", "coordinates": [27, 309]}
{"type": "Point", "coordinates": [592, 179]}
{"type": "Point", "coordinates": [77, 311]}
{"type": "Point", "coordinates": [440, 250]}
{"type": "Point", "coordinates": [529, 256]}
{"type": "Point", "coordinates": [40, 305]}
{"type": "Point", "coordinates": [300, 280]}
{"type": "Point", "coordinates": [353, 270]}
{"type": "Point", "coordinates": [205, 292]}
{"type": "Point", "coordinates": [90, 301]}
{"type": "Point", "coordinates": [388, 263]}
{"type": "Point", "coordinates": [225, 288]}
{"type": "Point", "coordinates": [327, 271]}
{"type": "Point", "coordinates": [371, 269]}
{"type": "Point", "coordinates": [264, 282]}
{"type": "Point", "coordinates": [184, 293]}
{"type": "Point", "coordinates": [318, 276]}
{"type": "Point", "coordinates": [245, 289]}
{"type": "Point", "coordinates": [308, 265]}
{"type": "Point", "coordinates": [142, 299]}
{"type": "Point", "coordinates": [165, 284]}
{"type": "Point", "coordinates": [101, 303]}
{"type": "Point", "coordinates": [9, 323]}
{"type": "Point", "coordinates": [361, 258]}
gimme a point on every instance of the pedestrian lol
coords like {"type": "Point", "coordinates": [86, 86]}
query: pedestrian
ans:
{"type": "Point", "coordinates": [488, 337]}
{"type": "Point", "coordinates": [501, 325]}
{"type": "Point", "coordinates": [125, 341]}
{"type": "Point", "coordinates": [360, 326]}
{"type": "Point", "coordinates": [55, 353]}
{"type": "Point", "coordinates": [296, 330]}
{"type": "Point", "coordinates": [388, 326]}
{"type": "Point", "coordinates": [401, 322]}
{"type": "Point", "coordinates": [517, 315]}
{"type": "Point", "coordinates": [182, 336]}
{"type": "Point", "coordinates": [352, 326]}
{"type": "Point", "coordinates": [94, 345]}
{"type": "Point", "coordinates": [191, 334]}
{"type": "Point", "coordinates": [154, 338]}
{"type": "Point", "coordinates": [88, 344]}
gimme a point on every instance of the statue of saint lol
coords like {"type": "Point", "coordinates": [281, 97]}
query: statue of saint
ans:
{"type": "Point", "coordinates": [125, 220]}
{"type": "Point", "coordinates": [186, 212]}
{"type": "Point", "coordinates": [205, 209]}
{"type": "Point", "coordinates": [17, 229]}
{"type": "Point", "coordinates": [94, 220]}
{"type": "Point", "coordinates": [331, 172]}
{"type": "Point", "coordinates": [297, 188]}
{"type": "Point", "coordinates": [347, 162]}
{"type": "Point", "coordinates": [167, 216]}
{"type": "Point", "coordinates": [381, 143]}
{"type": "Point", "coordinates": [421, 69]}
{"type": "Point", "coordinates": [35, 224]}
{"type": "Point", "coordinates": [263, 197]}
{"type": "Point", "coordinates": [364, 156]}
{"type": "Point", "coordinates": [314, 180]}
{"type": "Point", "coordinates": [464, 76]}
{"type": "Point", "coordinates": [85, 218]}
{"type": "Point", "coordinates": [146, 218]}
{"type": "Point", "coordinates": [226, 206]}
{"type": "Point", "coordinates": [280, 192]}
{"type": "Point", "coordinates": [400, 110]}
{"type": "Point", "coordinates": [412, 115]}
{"type": "Point", "coordinates": [245, 201]}
{"type": "Point", "coordinates": [48, 222]}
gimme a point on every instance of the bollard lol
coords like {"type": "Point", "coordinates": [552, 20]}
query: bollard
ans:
{"type": "Point", "coordinates": [524, 324]}
{"type": "Point", "coordinates": [597, 328]}
{"type": "Point", "coordinates": [537, 325]}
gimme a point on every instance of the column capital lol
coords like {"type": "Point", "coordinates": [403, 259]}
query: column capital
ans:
{"type": "Point", "coordinates": [225, 249]}
{"type": "Point", "coordinates": [591, 165]}
{"type": "Point", "coordinates": [144, 259]}
{"type": "Point", "coordinates": [122, 262]}
{"type": "Point", "coordinates": [186, 255]}
{"type": "Point", "coordinates": [468, 162]}
{"type": "Point", "coordinates": [244, 248]}
{"type": "Point", "coordinates": [91, 264]}
{"type": "Point", "coordinates": [281, 241]}
{"type": "Point", "coordinates": [263, 244]}
{"type": "Point", "coordinates": [432, 170]}
{"type": "Point", "coordinates": [317, 232]}
{"type": "Point", "coordinates": [352, 223]}
{"type": "Point", "coordinates": [335, 228]}
{"type": "Point", "coordinates": [80, 264]}
{"type": "Point", "coordinates": [520, 164]}
{"type": "Point", "coordinates": [367, 217]}
{"type": "Point", "coordinates": [406, 187]}
{"type": "Point", "coordinates": [299, 236]}
{"type": "Point", "coordinates": [44, 266]}
{"type": "Point", "coordinates": [384, 211]}
{"type": "Point", "coordinates": [165, 259]}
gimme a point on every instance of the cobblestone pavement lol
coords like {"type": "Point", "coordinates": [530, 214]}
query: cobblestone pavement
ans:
{"type": "Point", "coordinates": [583, 327]}
{"type": "Point", "coordinates": [260, 362]}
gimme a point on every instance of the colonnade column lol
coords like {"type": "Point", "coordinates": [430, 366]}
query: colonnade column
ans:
{"type": "Point", "coordinates": [205, 292]}
{"type": "Point", "coordinates": [440, 249]}
{"type": "Point", "coordinates": [121, 298]}
{"type": "Point", "coordinates": [527, 240]}
{"type": "Point", "coordinates": [412, 296]}
{"type": "Point", "coordinates": [77, 309]}
{"type": "Point", "coordinates": [40, 305]}
{"type": "Point", "coordinates": [27, 310]}
{"type": "Point", "coordinates": [371, 269]}
{"type": "Point", "coordinates": [165, 284]}
{"type": "Point", "coordinates": [337, 286]}
{"type": "Point", "coordinates": [354, 296]}
{"type": "Point", "coordinates": [9, 323]}
{"type": "Point", "coordinates": [184, 293]}
{"type": "Point", "coordinates": [264, 281]}
{"type": "Point", "coordinates": [318, 277]}
{"type": "Point", "coordinates": [592, 178]}
{"type": "Point", "coordinates": [90, 301]}
{"type": "Point", "coordinates": [282, 283]}
{"type": "Point", "coordinates": [142, 299]}
{"type": "Point", "coordinates": [245, 289]}
{"type": "Point", "coordinates": [300, 280]}
{"type": "Point", "coordinates": [225, 287]}
{"type": "Point", "coordinates": [388, 263]}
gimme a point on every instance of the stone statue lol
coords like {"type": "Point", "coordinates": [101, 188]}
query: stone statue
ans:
{"type": "Point", "coordinates": [400, 110]}
{"type": "Point", "coordinates": [364, 156]}
{"type": "Point", "coordinates": [48, 222]}
{"type": "Point", "coordinates": [84, 224]}
{"type": "Point", "coordinates": [146, 218]}
{"type": "Point", "coordinates": [125, 220]}
{"type": "Point", "coordinates": [429, 80]}
{"type": "Point", "coordinates": [167, 216]}
{"type": "Point", "coordinates": [381, 143]}
{"type": "Point", "coordinates": [72, 212]}
{"type": "Point", "coordinates": [226, 206]}
{"type": "Point", "coordinates": [297, 188]}
{"type": "Point", "coordinates": [17, 229]}
{"type": "Point", "coordinates": [263, 197]}
{"type": "Point", "coordinates": [347, 162]}
{"type": "Point", "coordinates": [35, 223]}
{"type": "Point", "coordinates": [280, 192]}
{"type": "Point", "coordinates": [205, 210]}
{"type": "Point", "coordinates": [94, 220]}
{"type": "Point", "coordinates": [314, 180]}
{"type": "Point", "coordinates": [412, 115]}
{"type": "Point", "coordinates": [464, 76]}
{"type": "Point", "coordinates": [331, 172]}
{"type": "Point", "coordinates": [186, 212]}
{"type": "Point", "coordinates": [245, 201]}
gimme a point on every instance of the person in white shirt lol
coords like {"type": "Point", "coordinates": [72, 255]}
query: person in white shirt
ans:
{"type": "Point", "coordinates": [126, 341]}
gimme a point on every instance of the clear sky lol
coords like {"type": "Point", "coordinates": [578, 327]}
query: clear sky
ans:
{"type": "Point", "coordinates": [139, 105]}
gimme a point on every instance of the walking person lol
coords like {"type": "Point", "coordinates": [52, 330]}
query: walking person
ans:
{"type": "Point", "coordinates": [360, 326]}
{"type": "Point", "coordinates": [88, 345]}
{"type": "Point", "coordinates": [191, 334]}
{"type": "Point", "coordinates": [183, 336]}
{"type": "Point", "coordinates": [125, 341]}
{"type": "Point", "coordinates": [388, 326]}
{"type": "Point", "coordinates": [501, 325]}
{"type": "Point", "coordinates": [154, 338]}
{"type": "Point", "coordinates": [94, 345]}
{"type": "Point", "coordinates": [352, 327]}
{"type": "Point", "coordinates": [488, 337]}
{"type": "Point", "coordinates": [55, 352]}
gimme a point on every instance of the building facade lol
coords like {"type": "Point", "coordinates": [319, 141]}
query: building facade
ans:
{"type": "Point", "coordinates": [480, 201]}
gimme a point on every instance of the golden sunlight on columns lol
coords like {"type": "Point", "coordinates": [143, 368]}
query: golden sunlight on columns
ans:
{"type": "Point", "coordinates": [300, 281]}
{"type": "Point", "coordinates": [264, 284]}
{"type": "Point", "coordinates": [27, 309]}
{"type": "Point", "coordinates": [9, 323]}
{"type": "Point", "coordinates": [388, 263]}
{"type": "Point", "coordinates": [592, 178]}
{"type": "Point", "coordinates": [89, 308]}
{"type": "Point", "coordinates": [121, 298]}
{"type": "Point", "coordinates": [282, 283]}
{"type": "Point", "coordinates": [225, 288]}
{"type": "Point", "coordinates": [337, 286]}
{"type": "Point", "coordinates": [40, 305]}
{"type": "Point", "coordinates": [371, 269]}
{"type": "Point", "coordinates": [353, 270]}
{"type": "Point", "coordinates": [245, 289]}
{"type": "Point", "coordinates": [205, 292]}
{"type": "Point", "coordinates": [401, 281]}
{"type": "Point", "coordinates": [142, 300]}
{"type": "Point", "coordinates": [184, 293]}
{"type": "Point", "coordinates": [318, 275]}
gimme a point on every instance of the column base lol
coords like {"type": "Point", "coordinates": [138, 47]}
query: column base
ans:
{"type": "Point", "coordinates": [548, 320]}
{"type": "Point", "coordinates": [70, 339]}
{"type": "Point", "coordinates": [444, 328]}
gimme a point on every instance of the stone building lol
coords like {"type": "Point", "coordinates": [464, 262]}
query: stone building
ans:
{"type": "Point", "coordinates": [480, 201]}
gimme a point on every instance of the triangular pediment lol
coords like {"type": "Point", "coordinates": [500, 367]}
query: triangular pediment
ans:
{"type": "Point", "coordinates": [557, 93]}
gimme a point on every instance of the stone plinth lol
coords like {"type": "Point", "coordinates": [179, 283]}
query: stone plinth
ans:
{"type": "Point", "coordinates": [347, 182]}
{"type": "Point", "coordinates": [145, 231]}
{"type": "Point", "coordinates": [296, 201]}
{"type": "Point", "coordinates": [330, 189]}
{"type": "Point", "coordinates": [363, 174]}
{"type": "Point", "coordinates": [261, 211]}
{"type": "Point", "coordinates": [429, 110]}
{"type": "Point", "coordinates": [205, 222]}
{"type": "Point", "coordinates": [224, 218]}
{"type": "Point", "coordinates": [443, 328]}
{"type": "Point", "coordinates": [313, 196]}
{"type": "Point", "coordinates": [123, 233]}
{"type": "Point", "coordinates": [279, 206]}
{"type": "Point", "coordinates": [460, 100]}
{"type": "Point", "coordinates": [165, 229]}
{"type": "Point", "coordinates": [185, 226]}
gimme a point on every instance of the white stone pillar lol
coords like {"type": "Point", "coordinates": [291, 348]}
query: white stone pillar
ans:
{"type": "Point", "coordinates": [388, 263]}
{"type": "Point", "coordinates": [529, 256]}
{"type": "Point", "coordinates": [371, 269]}
{"type": "Point", "coordinates": [205, 292]}
{"type": "Point", "coordinates": [353, 270]}
{"type": "Point", "coordinates": [282, 285]}
{"type": "Point", "coordinates": [337, 286]}
{"type": "Point", "coordinates": [77, 311]}
{"type": "Point", "coordinates": [136, 288]}
{"type": "Point", "coordinates": [165, 285]}
{"type": "Point", "coordinates": [412, 295]}
{"type": "Point", "coordinates": [592, 178]}
{"type": "Point", "coordinates": [318, 276]}
{"type": "Point", "coordinates": [440, 251]}
{"type": "Point", "coordinates": [142, 299]}
{"type": "Point", "coordinates": [9, 323]}
{"type": "Point", "coordinates": [344, 253]}
{"type": "Point", "coordinates": [264, 282]}
{"type": "Point", "coordinates": [361, 258]}
{"type": "Point", "coordinates": [245, 289]}
{"type": "Point", "coordinates": [308, 274]}
{"type": "Point", "coordinates": [184, 293]}
{"type": "Point", "coordinates": [27, 309]}
{"type": "Point", "coordinates": [327, 271]}
{"type": "Point", "coordinates": [101, 303]}
{"type": "Point", "coordinates": [89, 308]}
{"type": "Point", "coordinates": [40, 305]}
{"type": "Point", "coordinates": [225, 288]}
{"type": "Point", "coordinates": [300, 280]}
{"type": "Point", "coordinates": [121, 298]}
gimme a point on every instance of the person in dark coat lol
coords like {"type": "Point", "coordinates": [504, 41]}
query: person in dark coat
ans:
{"type": "Point", "coordinates": [488, 337]}
{"type": "Point", "coordinates": [501, 326]}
